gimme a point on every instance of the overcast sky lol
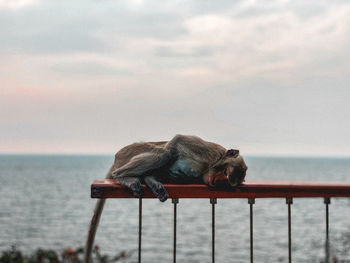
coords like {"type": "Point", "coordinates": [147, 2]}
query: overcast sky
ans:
{"type": "Point", "coordinates": [267, 77]}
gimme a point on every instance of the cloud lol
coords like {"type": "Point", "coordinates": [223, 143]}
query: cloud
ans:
{"type": "Point", "coordinates": [43, 29]}
{"type": "Point", "coordinates": [193, 52]}
{"type": "Point", "coordinates": [86, 68]}
{"type": "Point", "coordinates": [260, 74]}
{"type": "Point", "coordinates": [263, 44]}
{"type": "Point", "coordinates": [15, 4]}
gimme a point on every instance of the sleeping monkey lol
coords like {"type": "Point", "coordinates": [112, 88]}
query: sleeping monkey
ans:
{"type": "Point", "coordinates": [184, 159]}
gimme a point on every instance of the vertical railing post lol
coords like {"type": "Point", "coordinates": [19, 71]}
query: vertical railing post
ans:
{"type": "Point", "coordinates": [327, 201]}
{"type": "Point", "coordinates": [213, 202]}
{"type": "Point", "coordinates": [289, 201]}
{"type": "Point", "coordinates": [140, 227]}
{"type": "Point", "coordinates": [251, 202]}
{"type": "Point", "coordinates": [175, 201]}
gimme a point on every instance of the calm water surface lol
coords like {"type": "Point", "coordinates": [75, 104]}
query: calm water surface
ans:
{"type": "Point", "coordinates": [45, 202]}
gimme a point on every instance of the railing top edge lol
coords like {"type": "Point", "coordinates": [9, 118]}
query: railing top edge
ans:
{"type": "Point", "coordinates": [109, 188]}
{"type": "Point", "coordinates": [305, 184]}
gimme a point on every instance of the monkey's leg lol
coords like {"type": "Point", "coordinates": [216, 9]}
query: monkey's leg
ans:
{"type": "Point", "coordinates": [132, 183]}
{"type": "Point", "coordinates": [156, 187]}
{"type": "Point", "coordinates": [142, 163]}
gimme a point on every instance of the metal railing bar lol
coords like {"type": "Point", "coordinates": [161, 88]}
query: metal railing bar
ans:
{"type": "Point", "coordinates": [175, 201]}
{"type": "Point", "coordinates": [109, 188]}
{"type": "Point", "coordinates": [251, 202]}
{"type": "Point", "coordinates": [140, 228]}
{"type": "Point", "coordinates": [327, 201]}
{"type": "Point", "coordinates": [213, 202]}
{"type": "Point", "coordinates": [289, 201]}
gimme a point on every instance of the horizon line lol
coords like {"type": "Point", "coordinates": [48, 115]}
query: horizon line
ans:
{"type": "Point", "coordinates": [271, 155]}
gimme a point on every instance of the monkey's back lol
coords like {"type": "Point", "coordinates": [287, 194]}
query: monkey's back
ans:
{"type": "Point", "coordinates": [125, 154]}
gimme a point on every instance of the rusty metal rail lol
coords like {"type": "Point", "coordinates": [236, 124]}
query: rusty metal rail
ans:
{"type": "Point", "coordinates": [108, 188]}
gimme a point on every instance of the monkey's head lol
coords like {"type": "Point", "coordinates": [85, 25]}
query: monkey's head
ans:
{"type": "Point", "coordinates": [231, 169]}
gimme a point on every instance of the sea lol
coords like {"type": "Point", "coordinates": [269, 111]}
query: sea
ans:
{"type": "Point", "coordinates": [45, 203]}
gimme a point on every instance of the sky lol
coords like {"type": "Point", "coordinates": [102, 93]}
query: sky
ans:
{"type": "Point", "coordinates": [267, 77]}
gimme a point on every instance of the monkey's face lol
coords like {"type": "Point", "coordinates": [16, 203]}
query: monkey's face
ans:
{"type": "Point", "coordinates": [231, 171]}
{"type": "Point", "coordinates": [236, 170]}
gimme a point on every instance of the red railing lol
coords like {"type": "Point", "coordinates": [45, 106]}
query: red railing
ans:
{"type": "Point", "coordinates": [108, 188]}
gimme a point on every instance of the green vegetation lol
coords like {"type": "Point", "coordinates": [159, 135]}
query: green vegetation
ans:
{"type": "Point", "coordinates": [68, 255]}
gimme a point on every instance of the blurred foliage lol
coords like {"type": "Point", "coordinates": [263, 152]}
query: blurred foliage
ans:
{"type": "Point", "coordinates": [68, 255]}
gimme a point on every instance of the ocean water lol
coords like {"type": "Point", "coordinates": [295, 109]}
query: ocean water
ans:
{"type": "Point", "coordinates": [45, 202]}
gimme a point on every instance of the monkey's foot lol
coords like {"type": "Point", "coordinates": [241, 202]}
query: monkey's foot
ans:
{"type": "Point", "coordinates": [136, 189]}
{"type": "Point", "coordinates": [157, 188]}
{"type": "Point", "coordinates": [133, 183]}
{"type": "Point", "coordinates": [160, 192]}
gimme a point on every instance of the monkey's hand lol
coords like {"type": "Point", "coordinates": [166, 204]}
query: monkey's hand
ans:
{"type": "Point", "coordinates": [156, 187]}
{"type": "Point", "coordinates": [132, 183]}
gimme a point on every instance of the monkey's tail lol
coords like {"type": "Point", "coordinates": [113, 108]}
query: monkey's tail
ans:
{"type": "Point", "coordinates": [95, 220]}
{"type": "Point", "coordinates": [92, 230]}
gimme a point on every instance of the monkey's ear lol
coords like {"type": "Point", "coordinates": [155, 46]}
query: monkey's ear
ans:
{"type": "Point", "coordinates": [232, 152]}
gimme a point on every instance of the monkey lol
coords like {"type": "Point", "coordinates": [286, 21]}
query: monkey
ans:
{"type": "Point", "coordinates": [184, 159]}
